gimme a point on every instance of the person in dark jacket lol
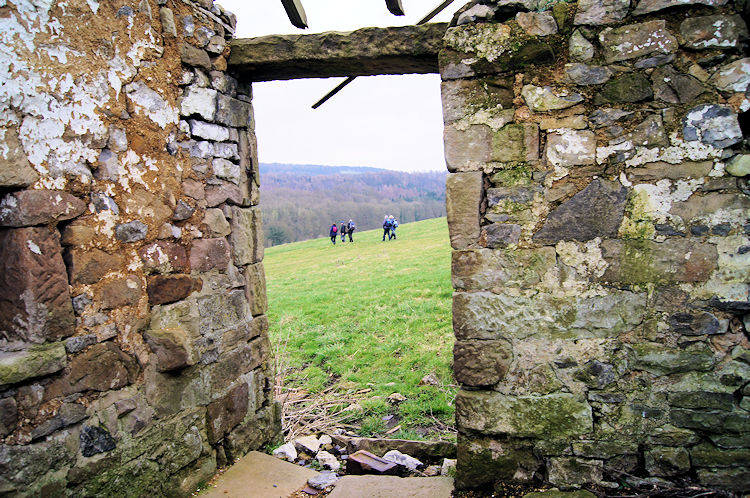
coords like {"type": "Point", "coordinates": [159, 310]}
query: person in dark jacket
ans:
{"type": "Point", "coordinates": [333, 233]}
{"type": "Point", "coordinates": [342, 231]}
{"type": "Point", "coordinates": [386, 228]}
{"type": "Point", "coordinates": [350, 229]}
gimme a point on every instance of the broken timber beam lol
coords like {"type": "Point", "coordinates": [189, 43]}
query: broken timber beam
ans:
{"type": "Point", "coordinates": [365, 52]}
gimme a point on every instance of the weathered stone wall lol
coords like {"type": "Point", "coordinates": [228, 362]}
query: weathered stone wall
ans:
{"type": "Point", "coordinates": [133, 335]}
{"type": "Point", "coordinates": [599, 215]}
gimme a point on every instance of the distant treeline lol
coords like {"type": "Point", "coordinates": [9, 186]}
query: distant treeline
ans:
{"type": "Point", "coordinates": [300, 202]}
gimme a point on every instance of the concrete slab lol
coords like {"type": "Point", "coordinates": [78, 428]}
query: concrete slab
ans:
{"type": "Point", "coordinates": [390, 486]}
{"type": "Point", "coordinates": [260, 476]}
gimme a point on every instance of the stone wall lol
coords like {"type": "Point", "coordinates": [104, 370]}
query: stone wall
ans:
{"type": "Point", "coordinates": [599, 215]}
{"type": "Point", "coordinates": [134, 355]}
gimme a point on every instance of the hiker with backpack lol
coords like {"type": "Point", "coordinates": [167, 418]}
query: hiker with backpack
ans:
{"type": "Point", "coordinates": [386, 228]}
{"type": "Point", "coordinates": [350, 230]}
{"type": "Point", "coordinates": [394, 226]}
{"type": "Point", "coordinates": [333, 233]}
{"type": "Point", "coordinates": [342, 230]}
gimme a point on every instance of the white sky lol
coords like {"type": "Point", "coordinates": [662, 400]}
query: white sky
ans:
{"type": "Point", "coordinates": [391, 122]}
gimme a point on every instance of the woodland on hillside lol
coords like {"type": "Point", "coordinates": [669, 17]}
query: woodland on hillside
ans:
{"type": "Point", "coordinates": [300, 202]}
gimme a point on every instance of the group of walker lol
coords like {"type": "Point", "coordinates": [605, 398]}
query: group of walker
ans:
{"type": "Point", "coordinates": [390, 224]}
{"type": "Point", "coordinates": [346, 228]}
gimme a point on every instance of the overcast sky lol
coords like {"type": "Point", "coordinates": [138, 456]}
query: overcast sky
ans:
{"type": "Point", "coordinates": [392, 122]}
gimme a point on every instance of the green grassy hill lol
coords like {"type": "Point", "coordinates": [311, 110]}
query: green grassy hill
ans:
{"type": "Point", "coordinates": [368, 315]}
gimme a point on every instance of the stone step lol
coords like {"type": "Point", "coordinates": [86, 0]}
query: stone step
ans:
{"type": "Point", "coordinates": [260, 476]}
{"type": "Point", "coordinates": [264, 476]}
{"type": "Point", "coordinates": [392, 486]}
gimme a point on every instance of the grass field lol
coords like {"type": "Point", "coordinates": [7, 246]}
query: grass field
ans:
{"type": "Point", "coordinates": [368, 315]}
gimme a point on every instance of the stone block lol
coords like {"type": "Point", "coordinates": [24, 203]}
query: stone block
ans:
{"type": "Point", "coordinates": [570, 148]}
{"type": "Point", "coordinates": [646, 6]}
{"type": "Point", "coordinates": [95, 440]}
{"type": "Point", "coordinates": [210, 254]}
{"type": "Point", "coordinates": [664, 461]}
{"type": "Point", "coordinates": [500, 235]}
{"type": "Point", "coordinates": [163, 257]}
{"type": "Point", "coordinates": [485, 315]}
{"type": "Point", "coordinates": [628, 88]}
{"type": "Point", "coordinates": [599, 12]}
{"type": "Point", "coordinates": [712, 124]}
{"type": "Point", "coordinates": [216, 223]}
{"type": "Point", "coordinates": [693, 324]}
{"type": "Point", "coordinates": [38, 207]}
{"type": "Point", "coordinates": [163, 289]}
{"type": "Point", "coordinates": [8, 416]}
{"type": "Point", "coordinates": [36, 361]}
{"type": "Point", "coordinates": [460, 97]}
{"type": "Point", "coordinates": [707, 455]}
{"type": "Point", "coordinates": [739, 165]}
{"type": "Point", "coordinates": [707, 32]}
{"type": "Point", "coordinates": [483, 461]}
{"type": "Point", "coordinates": [481, 363]}
{"type": "Point", "coordinates": [552, 416]}
{"type": "Point", "coordinates": [237, 362]}
{"type": "Point", "coordinates": [584, 74]}
{"type": "Point", "coordinates": [199, 102]}
{"type": "Point", "coordinates": [226, 170]}
{"type": "Point", "coordinates": [463, 198]}
{"type": "Point", "coordinates": [544, 99]}
{"type": "Point", "coordinates": [224, 192]}
{"type": "Point", "coordinates": [15, 168]}
{"type": "Point", "coordinates": [697, 207]}
{"type": "Point", "coordinates": [255, 288]}
{"type": "Point", "coordinates": [636, 262]}
{"type": "Point", "coordinates": [35, 303]}
{"type": "Point", "coordinates": [732, 479]}
{"type": "Point", "coordinates": [172, 348]}
{"type": "Point", "coordinates": [193, 56]}
{"type": "Point", "coordinates": [484, 269]}
{"type": "Point", "coordinates": [702, 400]}
{"type": "Point", "coordinates": [170, 393]}
{"type": "Point", "coordinates": [636, 40]}
{"type": "Point", "coordinates": [567, 472]}
{"type": "Point", "coordinates": [121, 292]}
{"type": "Point", "coordinates": [247, 236]}
{"type": "Point", "coordinates": [467, 150]}
{"type": "Point", "coordinates": [674, 87]}
{"type": "Point", "coordinates": [604, 449]}
{"type": "Point", "coordinates": [537, 23]}
{"type": "Point", "coordinates": [660, 170]}
{"type": "Point", "coordinates": [516, 142]}
{"type": "Point", "coordinates": [226, 413]}
{"type": "Point", "coordinates": [224, 310]}
{"type": "Point", "coordinates": [132, 231]}
{"type": "Point", "coordinates": [662, 360]}
{"type": "Point", "coordinates": [732, 77]}
{"type": "Point", "coordinates": [233, 112]}
{"type": "Point", "coordinates": [596, 211]}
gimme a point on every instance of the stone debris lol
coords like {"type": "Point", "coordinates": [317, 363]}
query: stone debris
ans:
{"type": "Point", "coordinates": [286, 451]}
{"type": "Point", "coordinates": [364, 462]}
{"type": "Point", "coordinates": [307, 444]}
{"type": "Point", "coordinates": [406, 461]}
{"type": "Point", "coordinates": [328, 461]}
{"type": "Point", "coordinates": [323, 480]}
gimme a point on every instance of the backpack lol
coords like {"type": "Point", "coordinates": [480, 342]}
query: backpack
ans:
{"type": "Point", "coordinates": [351, 226]}
{"type": "Point", "coordinates": [395, 223]}
{"type": "Point", "coordinates": [334, 229]}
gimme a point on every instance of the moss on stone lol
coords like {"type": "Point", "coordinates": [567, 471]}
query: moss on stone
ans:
{"type": "Point", "coordinates": [517, 174]}
{"type": "Point", "coordinates": [36, 361]}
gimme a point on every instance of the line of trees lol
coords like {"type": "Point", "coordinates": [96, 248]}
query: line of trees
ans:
{"type": "Point", "coordinates": [301, 202]}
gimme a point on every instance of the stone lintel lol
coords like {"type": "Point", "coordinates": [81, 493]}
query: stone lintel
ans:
{"type": "Point", "coordinates": [365, 52]}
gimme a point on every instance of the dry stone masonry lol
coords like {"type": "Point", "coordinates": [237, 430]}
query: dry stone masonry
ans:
{"type": "Point", "coordinates": [598, 206]}
{"type": "Point", "coordinates": [134, 355]}
{"type": "Point", "coordinates": [599, 212]}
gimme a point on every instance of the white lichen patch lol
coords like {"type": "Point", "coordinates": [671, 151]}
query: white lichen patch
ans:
{"type": "Point", "coordinates": [495, 118]}
{"type": "Point", "coordinates": [649, 204]}
{"type": "Point", "coordinates": [486, 40]}
{"type": "Point", "coordinates": [586, 258]}
{"type": "Point", "coordinates": [730, 281]}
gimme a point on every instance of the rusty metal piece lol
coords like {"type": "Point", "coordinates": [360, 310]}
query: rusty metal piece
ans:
{"type": "Point", "coordinates": [295, 12]}
{"type": "Point", "coordinates": [364, 462]}
{"type": "Point", "coordinates": [437, 10]}
{"type": "Point", "coordinates": [395, 7]}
